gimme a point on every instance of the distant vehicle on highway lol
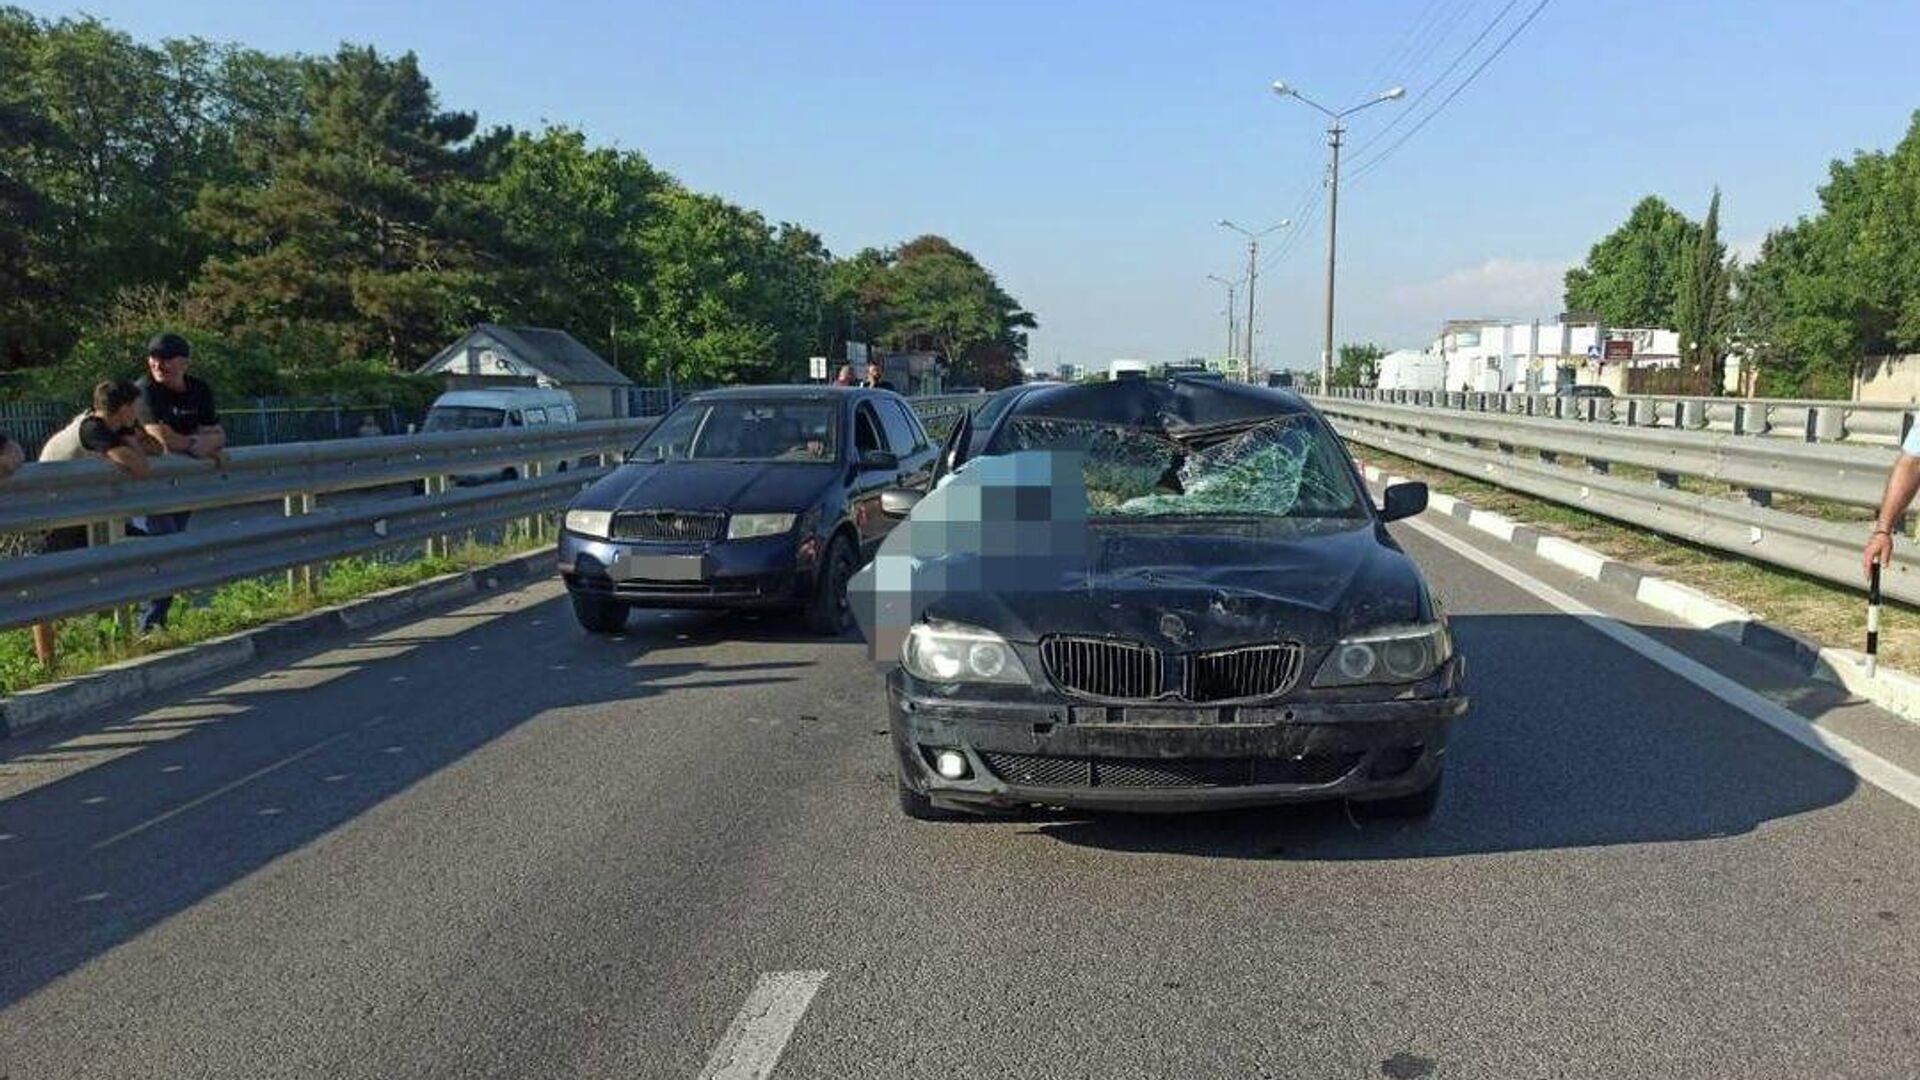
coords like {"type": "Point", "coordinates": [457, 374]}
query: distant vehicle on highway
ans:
{"type": "Point", "coordinates": [1280, 380]}
{"type": "Point", "coordinates": [1208, 612]}
{"type": "Point", "coordinates": [752, 497]}
{"type": "Point", "coordinates": [1129, 369]}
{"type": "Point", "coordinates": [514, 406]}
{"type": "Point", "coordinates": [1583, 392]}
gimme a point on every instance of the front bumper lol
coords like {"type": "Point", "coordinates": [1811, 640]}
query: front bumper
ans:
{"type": "Point", "coordinates": [1061, 753]}
{"type": "Point", "coordinates": [764, 572]}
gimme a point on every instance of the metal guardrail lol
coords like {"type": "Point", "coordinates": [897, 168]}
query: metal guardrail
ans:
{"type": "Point", "coordinates": [1805, 420]}
{"type": "Point", "coordinates": [1522, 454]}
{"type": "Point", "coordinates": [92, 493]}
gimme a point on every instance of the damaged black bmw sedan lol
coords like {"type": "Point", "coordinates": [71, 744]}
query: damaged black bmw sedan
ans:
{"type": "Point", "coordinates": [1157, 596]}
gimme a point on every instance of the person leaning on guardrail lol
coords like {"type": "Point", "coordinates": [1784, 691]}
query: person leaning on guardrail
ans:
{"type": "Point", "coordinates": [176, 409]}
{"type": "Point", "coordinates": [1903, 481]}
{"type": "Point", "coordinates": [109, 431]}
{"type": "Point", "coordinates": [11, 456]}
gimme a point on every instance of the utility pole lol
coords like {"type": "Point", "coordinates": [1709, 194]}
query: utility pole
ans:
{"type": "Point", "coordinates": [1233, 307]}
{"type": "Point", "coordinates": [1334, 132]}
{"type": "Point", "coordinates": [1253, 280]}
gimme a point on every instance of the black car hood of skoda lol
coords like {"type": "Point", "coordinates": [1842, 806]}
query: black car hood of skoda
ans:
{"type": "Point", "coordinates": [710, 485]}
{"type": "Point", "coordinates": [1205, 586]}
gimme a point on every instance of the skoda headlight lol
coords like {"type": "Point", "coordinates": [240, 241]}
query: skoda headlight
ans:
{"type": "Point", "coordinates": [748, 526]}
{"type": "Point", "coordinates": [952, 653]}
{"type": "Point", "coordinates": [1399, 654]}
{"type": "Point", "coordinates": [590, 522]}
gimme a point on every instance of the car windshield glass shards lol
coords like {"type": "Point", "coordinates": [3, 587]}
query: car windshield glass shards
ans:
{"type": "Point", "coordinates": [1285, 467]}
{"type": "Point", "coordinates": [802, 431]}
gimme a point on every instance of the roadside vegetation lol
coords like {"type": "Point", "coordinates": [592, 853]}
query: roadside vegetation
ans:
{"type": "Point", "coordinates": [323, 224]}
{"type": "Point", "coordinates": [1820, 610]}
{"type": "Point", "coordinates": [93, 641]}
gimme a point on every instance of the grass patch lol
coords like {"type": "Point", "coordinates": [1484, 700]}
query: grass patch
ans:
{"type": "Point", "coordinates": [91, 641]}
{"type": "Point", "coordinates": [1825, 612]}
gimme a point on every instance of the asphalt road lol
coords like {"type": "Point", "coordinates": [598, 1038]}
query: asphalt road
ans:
{"type": "Point", "coordinates": [485, 844]}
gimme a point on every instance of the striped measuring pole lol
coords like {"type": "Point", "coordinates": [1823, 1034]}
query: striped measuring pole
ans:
{"type": "Point", "coordinates": [1873, 618]}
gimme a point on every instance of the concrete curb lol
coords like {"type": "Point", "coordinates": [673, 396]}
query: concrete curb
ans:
{"type": "Point", "coordinates": [139, 678]}
{"type": "Point", "coordinates": [1895, 691]}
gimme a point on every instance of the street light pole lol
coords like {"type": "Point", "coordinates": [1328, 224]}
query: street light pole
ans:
{"type": "Point", "coordinates": [1253, 280]}
{"type": "Point", "coordinates": [1334, 132]}
{"type": "Point", "coordinates": [1233, 336]}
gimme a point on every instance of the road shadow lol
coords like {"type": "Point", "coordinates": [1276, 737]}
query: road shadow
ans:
{"type": "Point", "coordinates": [1627, 753]}
{"type": "Point", "coordinates": [112, 826]}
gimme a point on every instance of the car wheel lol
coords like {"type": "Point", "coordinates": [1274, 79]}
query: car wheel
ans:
{"type": "Point", "coordinates": [920, 808]}
{"type": "Point", "coordinates": [829, 612]}
{"type": "Point", "coordinates": [1419, 804]}
{"type": "Point", "coordinates": [599, 614]}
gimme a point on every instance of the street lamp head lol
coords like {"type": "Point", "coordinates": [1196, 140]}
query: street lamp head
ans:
{"type": "Point", "coordinates": [1226, 224]}
{"type": "Point", "coordinates": [1282, 88]}
{"type": "Point", "coordinates": [1395, 94]}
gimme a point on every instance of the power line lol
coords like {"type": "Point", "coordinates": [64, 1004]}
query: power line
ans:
{"type": "Point", "coordinates": [1414, 105]}
{"type": "Point", "coordinates": [1398, 55]}
{"type": "Point", "coordinates": [1445, 31]}
{"type": "Point", "coordinates": [1368, 166]}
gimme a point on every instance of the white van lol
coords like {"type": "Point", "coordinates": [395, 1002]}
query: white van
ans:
{"type": "Point", "coordinates": [517, 406]}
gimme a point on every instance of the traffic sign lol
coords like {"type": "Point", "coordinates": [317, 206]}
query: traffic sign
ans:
{"type": "Point", "coordinates": [816, 367]}
{"type": "Point", "coordinates": [1619, 350]}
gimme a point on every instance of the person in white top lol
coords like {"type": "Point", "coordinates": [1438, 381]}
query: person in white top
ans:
{"type": "Point", "coordinates": [1902, 483]}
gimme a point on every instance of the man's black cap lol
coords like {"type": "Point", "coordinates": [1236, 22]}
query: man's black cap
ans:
{"type": "Point", "coordinates": [168, 346]}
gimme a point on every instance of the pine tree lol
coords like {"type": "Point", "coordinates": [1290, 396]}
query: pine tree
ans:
{"type": "Point", "coordinates": [1700, 308]}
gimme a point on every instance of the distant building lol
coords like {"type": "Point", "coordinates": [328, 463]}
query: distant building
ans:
{"type": "Point", "coordinates": [490, 354]}
{"type": "Point", "coordinates": [1493, 355]}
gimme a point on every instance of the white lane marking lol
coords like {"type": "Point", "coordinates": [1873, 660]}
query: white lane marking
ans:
{"type": "Point", "coordinates": [759, 1032]}
{"type": "Point", "coordinates": [1864, 763]}
{"type": "Point", "coordinates": [219, 791]}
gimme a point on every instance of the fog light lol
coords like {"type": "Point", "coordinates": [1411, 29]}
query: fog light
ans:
{"type": "Point", "coordinates": [951, 764]}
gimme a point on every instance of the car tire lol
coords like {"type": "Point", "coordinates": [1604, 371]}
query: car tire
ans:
{"type": "Point", "coordinates": [599, 614]}
{"type": "Point", "coordinates": [1419, 804]}
{"type": "Point", "coordinates": [920, 808]}
{"type": "Point", "coordinates": [828, 611]}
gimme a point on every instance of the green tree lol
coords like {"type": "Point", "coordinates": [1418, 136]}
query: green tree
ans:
{"type": "Point", "coordinates": [1358, 365]}
{"type": "Point", "coordinates": [1842, 284]}
{"type": "Point", "coordinates": [366, 233]}
{"type": "Point", "coordinates": [572, 221]}
{"type": "Point", "coordinates": [1632, 277]}
{"type": "Point", "coordinates": [1701, 308]}
{"type": "Point", "coordinates": [937, 296]}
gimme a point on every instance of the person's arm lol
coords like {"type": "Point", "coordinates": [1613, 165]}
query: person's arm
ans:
{"type": "Point", "coordinates": [130, 461]}
{"type": "Point", "coordinates": [209, 440]}
{"type": "Point", "coordinates": [1903, 482]}
{"type": "Point", "coordinates": [170, 441]}
{"type": "Point", "coordinates": [11, 457]}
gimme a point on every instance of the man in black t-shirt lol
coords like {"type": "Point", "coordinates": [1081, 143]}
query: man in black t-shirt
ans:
{"type": "Point", "coordinates": [177, 410]}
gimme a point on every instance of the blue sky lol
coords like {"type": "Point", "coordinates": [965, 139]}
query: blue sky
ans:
{"type": "Point", "coordinates": [1084, 150]}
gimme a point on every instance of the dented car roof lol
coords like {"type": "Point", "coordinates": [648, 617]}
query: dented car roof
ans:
{"type": "Point", "coordinates": [1173, 406]}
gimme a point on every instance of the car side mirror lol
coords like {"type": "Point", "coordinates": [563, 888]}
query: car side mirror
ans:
{"type": "Point", "coordinates": [1404, 501]}
{"type": "Point", "coordinates": [879, 459]}
{"type": "Point", "coordinates": [899, 502]}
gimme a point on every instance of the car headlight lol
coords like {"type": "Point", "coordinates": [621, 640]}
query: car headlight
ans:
{"type": "Point", "coordinates": [748, 526]}
{"type": "Point", "coordinates": [590, 522]}
{"type": "Point", "coordinates": [952, 653]}
{"type": "Point", "coordinates": [1400, 654]}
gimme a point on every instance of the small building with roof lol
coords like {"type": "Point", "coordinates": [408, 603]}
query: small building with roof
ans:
{"type": "Point", "coordinates": [495, 355]}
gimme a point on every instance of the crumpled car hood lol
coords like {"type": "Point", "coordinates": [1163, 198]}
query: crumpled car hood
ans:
{"type": "Point", "coordinates": [1222, 590]}
{"type": "Point", "coordinates": [1005, 544]}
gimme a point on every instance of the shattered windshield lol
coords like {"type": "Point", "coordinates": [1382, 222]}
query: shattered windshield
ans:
{"type": "Point", "coordinates": [1286, 467]}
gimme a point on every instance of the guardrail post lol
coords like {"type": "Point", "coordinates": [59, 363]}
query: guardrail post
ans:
{"type": "Point", "coordinates": [1667, 480]}
{"type": "Point", "coordinates": [299, 578]}
{"type": "Point", "coordinates": [1690, 415]}
{"type": "Point", "coordinates": [539, 520]}
{"type": "Point", "coordinates": [436, 545]}
{"type": "Point", "coordinates": [1759, 497]}
{"type": "Point", "coordinates": [1749, 419]}
{"type": "Point", "coordinates": [1594, 465]}
{"type": "Point", "coordinates": [1826, 423]}
{"type": "Point", "coordinates": [1548, 457]}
